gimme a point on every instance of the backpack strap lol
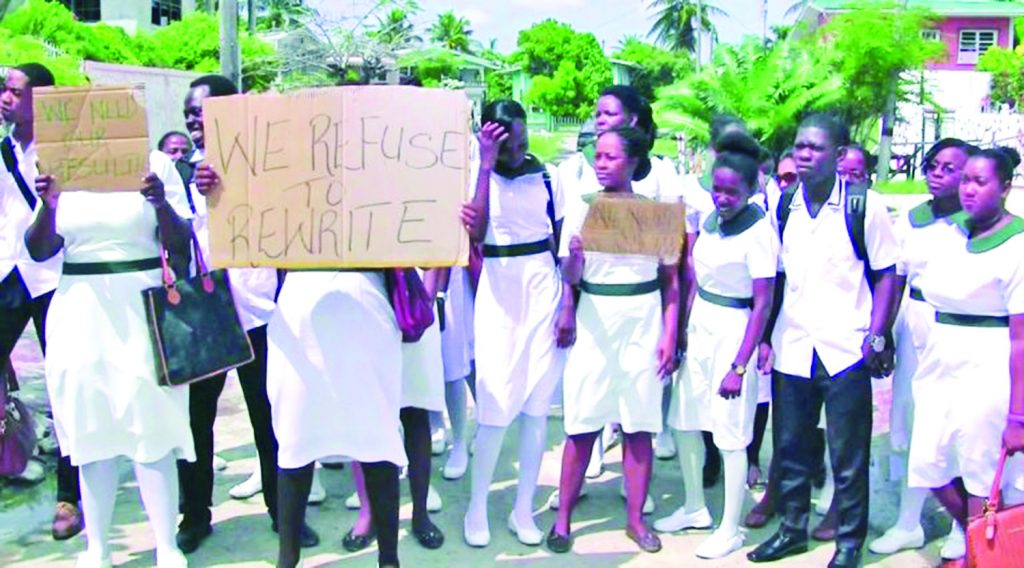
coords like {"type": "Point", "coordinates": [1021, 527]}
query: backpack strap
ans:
{"type": "Point", "coordinates": [546, 176]}
{"type": "Point", "coordinates": [11, 163]}
{"type": "Point", "coordinates": [855, 211]}
{"type": "Point", "coordinates": [782, 211]}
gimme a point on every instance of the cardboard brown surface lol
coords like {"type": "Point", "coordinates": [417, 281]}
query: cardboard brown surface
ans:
{"type": "Point", "coordinates": [92, 138]}
{"type": "Point", "coordinates": [623, 225]}
{"type": "Point", "coordinates": [342, 177]}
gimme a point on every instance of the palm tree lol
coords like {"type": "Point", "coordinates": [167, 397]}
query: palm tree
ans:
{"type": "Point", "coordinates": [395, 29]}
{"type": "Point", "coordinates": [452, 32]}
{"type": "Point", "coordinates": [675, 24]}
{"type": "Point", "coordinates": [282, 14]}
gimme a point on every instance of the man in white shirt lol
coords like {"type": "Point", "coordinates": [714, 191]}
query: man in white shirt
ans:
{"type": "Point", "coordinates": [829, 339]}
{"type": "Point", "coordinates": [26, 286]}
{"type": "Point", "coordinates": [255, 291]}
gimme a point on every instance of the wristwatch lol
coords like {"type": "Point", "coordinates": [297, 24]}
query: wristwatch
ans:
{"type": "Point", "coordinates": [740, 370]}
{"type": "Point", "coordinates": [877, 342]}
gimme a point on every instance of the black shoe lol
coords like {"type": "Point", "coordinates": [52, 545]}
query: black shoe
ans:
{"type": "Point", "coordinates": [712, 470]}
{"type": "Point", "coordinates": [846, 557]}
{"type": "Point", "coordinates": [558, 543]}
{"type": "Point", "coordinates": [307, 536]}
{"type": "Point", "coordinates": [354, 543]}
{"type": "Point", "coordinates": [191, 536]}
{"type": "Point", "coordinates": [429, 536]}
{"type": "Point", "coordinates": [779, 546]}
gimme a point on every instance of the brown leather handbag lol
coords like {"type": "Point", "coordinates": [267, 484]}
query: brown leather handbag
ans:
{"type": "Point", "coordinates": [995, 539]}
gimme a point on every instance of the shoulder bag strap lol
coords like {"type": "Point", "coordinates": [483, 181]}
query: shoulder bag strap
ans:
{"type": "Point", "coordinates": [11, 163]}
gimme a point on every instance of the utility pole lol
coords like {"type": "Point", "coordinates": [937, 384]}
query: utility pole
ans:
{"type": "Point", "coordinates": [764, 22]}
{"type": "Point", "coordinates": [252, 17]}
{"type": "Point", "coordinates": [888, 124]}
{"type": "Point", "coordinates": [230, 54]}
{"type": "Point", "coordinates": [700, 33]}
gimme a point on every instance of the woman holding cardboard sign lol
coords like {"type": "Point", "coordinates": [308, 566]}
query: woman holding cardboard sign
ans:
{"type": "Point", "coordinates": [100, 372]}
{"type": "Point", "coordinates": [516, 214]}
{"type": "Point", "coordinates": [734, 262]}
{"type": "Point", "coordinates": [624, 331]}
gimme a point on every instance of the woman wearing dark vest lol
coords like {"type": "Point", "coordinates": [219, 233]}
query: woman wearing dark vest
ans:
{"type": "Point", "coordinates": [624, 335]}
{"type": "Point", "coordinates": [516, 214]}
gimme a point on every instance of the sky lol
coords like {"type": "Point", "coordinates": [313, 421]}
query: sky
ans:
{"type": "Point", "coordinates": [609, 20]}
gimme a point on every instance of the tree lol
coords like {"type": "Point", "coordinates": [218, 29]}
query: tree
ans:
{"type": "Point", "coordinates": [396, 29]}
{"type": "Point", "coordinates": [1007, 69]}
{"type": "Point", "coordinates": [67, 69]}
{"type": "Point", "coordinates": [452, 32]}
{"type": "Point", "coordinates": [499, 83]}
{"type": "Point", "coordinates": [569, 69]}
{"type": "Point", "coordinates": [674, 24]}
{"type": "Point", "coordinates": [658, 67]}
{"type": "Point", "coordinates": [281, 14]}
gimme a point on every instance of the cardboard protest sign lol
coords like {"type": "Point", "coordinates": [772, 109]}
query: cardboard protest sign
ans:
{"type": "Point", "coordinates": [623, 225]}
{"type": "Point", "coordinates": [358, 177]}
{"type": "Point", "coordinates": [92, 138]}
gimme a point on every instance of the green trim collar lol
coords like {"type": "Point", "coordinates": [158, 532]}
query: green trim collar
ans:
{"type": "Point", "coordinates": [992, 240]}
{"type": "Point", "coordinates": [923, 215]}
{"type": "Point", "coordinates": [743, 220]}
{"type": "Point", "coordinates": [706, 182]}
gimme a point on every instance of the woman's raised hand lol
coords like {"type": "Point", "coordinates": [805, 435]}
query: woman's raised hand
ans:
{"type": "Point", "coordinates": [207, 179]}
{"type": "Point", "coordinates": [491, 137]}
{"type": "Point", "coordinates": [46, 188]}
{"type": "Point", "coordinates": [153, 190]}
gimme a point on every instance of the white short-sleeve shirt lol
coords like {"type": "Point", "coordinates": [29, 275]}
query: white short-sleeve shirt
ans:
{"type": "Point", "coordinates": [727, 262]}
{"type": "Point", "coordinates": [600, 267]}
{"type": "Point", "coordinates": [253, 288]}
{"type": "Point", "coordinates": [39, 277]}
{"type": "Point", "coordinates": [826, 307]}
{"type": "Point", "coordinates": [696, 194]}
{"type": "Point", "coordinates": [921, 237]}
{"type": "Point", "coordinates": [519, 208]}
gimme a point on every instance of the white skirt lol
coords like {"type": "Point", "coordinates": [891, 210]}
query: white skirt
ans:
{"type": "Point", "coordinates": [612, 372]}
{"type": "Point", "coordinates": [423, 372]}
{"type": "Point", "coordinates": [518, 365]}
{"type": "Point", "coordinates": [715, 334]}
{"type": "Point", "coordinates": [913, 324]}
{"type": "Point", "coordinates": [962, 396]}
{"type": "Point", "coordinates": [334, 370]}
{"type": "Point", "coordinates": [101, 374]}
{"type": "Point", "coordinates": [456, 348]}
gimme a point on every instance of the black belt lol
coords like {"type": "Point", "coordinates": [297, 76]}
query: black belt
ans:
{"type": "Point", "coordinates": [725, 301]}
{"type": "Point", "coordinates": [916, 294]}
{"type": "Point", "coordinates": [632, 289]}
{"type": "Point", "coordinates": [524, 249]}
{"type": "Point", "coordinates": [118, 267]}
{"type": "Point", "coordinates": [970, 320]}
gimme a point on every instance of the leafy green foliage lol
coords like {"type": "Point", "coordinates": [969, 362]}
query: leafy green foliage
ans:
{"type": "Point", "coordinates": [451, 31]}
{"type": "Point", "coordinates": [674, 22]}
{"type": "Point", "coordinates": [499, 83]}
{"type": "Point", "coordinates": [395, 29]}
{"type": "Point", "coordinates": [281, 14]}
{"type": "Point", "coordinates": [67, 69]}
{"type": "Point", "coordinates": [1007, 69]}
{"type": "Point", "coordinates": [569, 69]}
{"type": "Point", "coordinates": [658, 67]}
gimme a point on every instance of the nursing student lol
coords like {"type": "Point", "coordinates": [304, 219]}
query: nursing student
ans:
{"type": "Point", "coordinates": [920, 232]}
{"type": "Point", "coordinates": [735, 260]}
{"type": "Point", "coordinates": [969, 388]}
{"type": "Point", "coordinates": [623, 333]}
{"type": "Point", "coordinates": [516, 214]}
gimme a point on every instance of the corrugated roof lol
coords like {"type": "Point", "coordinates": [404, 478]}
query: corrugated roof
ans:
{"type": "Point", "coordinates": [943, 7]}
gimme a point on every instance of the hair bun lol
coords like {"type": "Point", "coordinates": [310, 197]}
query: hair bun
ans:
{"type": "Point", "coordinates": [738, 142]}
{"type": "Point", "coordinates": [1011, 154]}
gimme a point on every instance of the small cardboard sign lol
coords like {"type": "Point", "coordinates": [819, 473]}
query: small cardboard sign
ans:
{"type": "Point", "coordinates": [343, 177]}
{"type": "Point", "coordinates": [623, 225]}
{"type": "Point", "coordinates": [92, 138]}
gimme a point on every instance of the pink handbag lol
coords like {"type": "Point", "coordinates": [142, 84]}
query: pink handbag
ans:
{"type": "Point", "coordinates": [414, 308]}
{"type": "Point", "coordinates": [17, 432]}
{"type": "Point", "coordinates": [995, 539]}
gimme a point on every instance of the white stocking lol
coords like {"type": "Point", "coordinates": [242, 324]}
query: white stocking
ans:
{"type": "Point", "coordinates": [735, 480]}
{"type": "Point", "coordinates": [486, 450]}
{"type": "Point", "coordinates": [455, 397]}
{"type": "Point", "coordinates": [911, 504]}
{"type": "Point", "coordinates": [690, 449]}
{"type": "Point", "coordinates": [99, 490]}
{"type": "Point", "coordinates": [533, 432]}
{"type": "Point", "coordinates": [158, 487]}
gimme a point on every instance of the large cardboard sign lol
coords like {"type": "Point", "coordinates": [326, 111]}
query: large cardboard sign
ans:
{"type": "Point", "coordinates": [623, 225]}
{"type": "Point", "coordinates": [343, 177]}
{"type": "Point", "coordinates": [92, 138]}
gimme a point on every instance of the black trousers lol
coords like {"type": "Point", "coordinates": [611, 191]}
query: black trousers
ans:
{"type": "Point", "coordinates": [847, 400]}
{"type": "Point", "coordinates": [196, 479]}
{"type": "Point", "coordinates": [14, 317]}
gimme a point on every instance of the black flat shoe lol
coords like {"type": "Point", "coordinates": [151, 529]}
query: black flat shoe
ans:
{"type": "Point", "coordinates": [779, 546]}
{"type": "Point", "coordinates": [307, 536]}
{"type": "Point", "coordinates": [354, 543]}
{"type": "Point", "coordinates": [429, 537]}
{"type": "Point", "coordinates": [190, 537]}
{"type": "Point", "coordinates": [557, 543]}
{"type": "Point", "coordinates": [846, 557]}
{"type": "Point", "coordinates": [647, 541]}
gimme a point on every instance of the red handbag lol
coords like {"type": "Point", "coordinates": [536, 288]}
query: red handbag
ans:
{"type": "Point", "coordinates": [17, 432]}
{"type": "Point", "coordinates": [995, 539]}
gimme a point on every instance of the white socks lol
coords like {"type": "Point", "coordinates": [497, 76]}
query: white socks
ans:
{"type": "Point", "coordinates": [455, 398]}
{"type": "Point", "coordinates": [690, 448]}
{"type": "Point", "coordinates": [98, 482]}
{"type": "Point", "coordinates": [532, 439]}
{"type": "Point", "coordinates": [735, 465]}
{"type": "Point", "coordinates": [158, 487]}
{"type": "Point", "coordinates": [486, 450]}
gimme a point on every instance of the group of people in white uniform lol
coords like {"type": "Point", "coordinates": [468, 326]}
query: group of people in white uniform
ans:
{"type": "Point", "coordinates": [642, 344]}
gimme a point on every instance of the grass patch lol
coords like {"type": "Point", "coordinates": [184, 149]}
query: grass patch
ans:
{"type": "Point", "coordinates": [902, 187]}
{"type": "Point", "coordinates": [549, 146]}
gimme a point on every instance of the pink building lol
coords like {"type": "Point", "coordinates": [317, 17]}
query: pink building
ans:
{"type": "Point", "coordinates": [967, 27]}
